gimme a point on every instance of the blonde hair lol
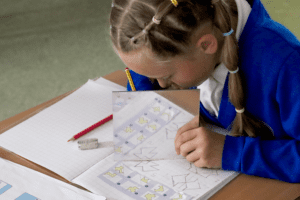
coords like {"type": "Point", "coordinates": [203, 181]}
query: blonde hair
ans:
{"type": "Point", "coordinates": [132, 27]}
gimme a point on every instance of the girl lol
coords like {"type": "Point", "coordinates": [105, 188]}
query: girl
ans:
{"type": "Point", "coordinates": [247, 69]}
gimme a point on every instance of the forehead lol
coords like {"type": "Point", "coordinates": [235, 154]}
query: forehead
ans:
{"type": "Point", "coordinates": [144, 62]}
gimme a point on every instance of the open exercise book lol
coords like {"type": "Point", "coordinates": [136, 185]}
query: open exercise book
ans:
{"type": "Point", "coordinates": [142, 164]}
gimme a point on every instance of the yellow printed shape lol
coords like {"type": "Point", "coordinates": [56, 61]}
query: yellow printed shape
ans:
{"type": "Point", "coordinates": [160, 189]}
{"type": "Point", "coordinates": [118, 150]}
{"type": "Point", "coordinates": [128, 130]}
{"type": "Point", "coordinates": [153, 127]}
{"type": "Point", "coordinates": [119, 169]}
{"type": "Point", "coordinates": [150, 196]}
{"type": "Point", "coordinates": [166, 114]}
{"type": "Point", "coordinates": [169, 116]}
{"type": "Point", "coordinates": [110, 174]}
{"type": "Point", "coordinates": [142, 120]}
{"type": "Point", "coordinates": [156, 109]}
{"type": "Point", "coordinates": [145, 180]}
{"type": "Point", "coordinates": [180, 197]}
{"type": "Point", "coordinates": [132, 189]}
{"type": "Point", "coordinates": [141, 138]}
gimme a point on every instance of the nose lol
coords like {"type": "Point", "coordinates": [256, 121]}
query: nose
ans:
{"type": "Point", "coordinates": [162, 82]}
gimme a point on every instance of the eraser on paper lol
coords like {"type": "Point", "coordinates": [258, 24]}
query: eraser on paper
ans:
{"type": "Point", "coordinates": [88, 144]}
{"type": "Point", "coordinates": [93, 144]}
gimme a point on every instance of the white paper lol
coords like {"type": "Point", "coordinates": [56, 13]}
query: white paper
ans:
{"type": "Point", "coordinates": [159, 174]}
{"type": "Point", "coordinates": [43, 137]}
{"type": "Point", "coordinates": [113, 86]}
{"type": "Point", "coordinates": [146, 128]}
{"type": "Point", "coordinates": [21, 183]}
{"type": "Point", "coordinates": [159, 179]}
{"type": "Point", "coordinates": [43, 140]}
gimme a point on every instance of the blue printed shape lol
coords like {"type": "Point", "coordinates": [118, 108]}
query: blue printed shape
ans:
{"type": "Point", "coordinates": [27, 196]}
{"type": "Point", "coordinates": [4, 187]}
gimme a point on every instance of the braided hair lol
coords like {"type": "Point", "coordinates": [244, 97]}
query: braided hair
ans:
{"type": "Point", "coordinates": [167, 31]}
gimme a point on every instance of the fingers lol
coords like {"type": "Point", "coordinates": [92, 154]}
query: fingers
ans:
{"type": "Point", "coordinates": [187, 148]}
{"type": "Point", "coordinates": [188, 126]}
{"type": "Point", "coordinates": [184, 137]}
{"type": "Point", "coordinates": [192, 157]}
{"type": "Point", "coordinates": [205, 163]}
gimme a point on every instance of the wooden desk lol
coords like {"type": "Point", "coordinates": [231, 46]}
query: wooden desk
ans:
{"type": "Point", "coordinates": [241, 188]}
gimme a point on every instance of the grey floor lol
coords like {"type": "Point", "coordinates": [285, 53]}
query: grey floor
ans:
{"type": "Point", "coordinates": [49, 47]}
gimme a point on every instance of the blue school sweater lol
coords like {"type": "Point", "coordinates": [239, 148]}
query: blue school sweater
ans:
{"type": "Point", "coordinates": [270, 68]}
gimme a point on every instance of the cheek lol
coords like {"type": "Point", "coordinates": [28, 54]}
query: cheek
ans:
{"type": "Point", "coordinates": [192, 76]}
{"type": "Point", "coordinates": [188, 76]}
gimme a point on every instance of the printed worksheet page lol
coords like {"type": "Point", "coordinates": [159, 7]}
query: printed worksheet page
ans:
{"type": "Point", "coordinates": [21, 183]}
{"type": "Point", "coordinates": [175, 179]}
{"type": "Point", "coordinates": [145, 128]}
{"type": "Point", "coordinates": [144, 164]}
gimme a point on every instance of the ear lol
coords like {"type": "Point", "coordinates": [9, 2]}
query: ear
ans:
{"type": "Point", "coordinates": [208, 44]}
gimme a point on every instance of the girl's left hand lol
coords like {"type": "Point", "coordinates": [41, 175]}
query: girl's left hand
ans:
{"type": "Point", "coordinates": [200, 145]}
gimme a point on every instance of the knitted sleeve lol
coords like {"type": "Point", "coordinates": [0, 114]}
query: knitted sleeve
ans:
{"type": "Point", "coordinates": [142, 83]}
{"type": "Point", "coordinates": [278, 158]}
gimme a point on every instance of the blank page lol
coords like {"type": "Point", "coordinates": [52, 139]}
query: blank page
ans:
{"type": "Point", "coordinates": [43, 137]}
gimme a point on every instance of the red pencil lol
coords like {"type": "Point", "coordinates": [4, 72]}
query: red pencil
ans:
{"type": "Point", "coordinates": [85, 131]}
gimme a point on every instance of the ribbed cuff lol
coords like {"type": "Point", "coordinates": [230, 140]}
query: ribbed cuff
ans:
{"type": "Point", "coordinates": [232, 153]}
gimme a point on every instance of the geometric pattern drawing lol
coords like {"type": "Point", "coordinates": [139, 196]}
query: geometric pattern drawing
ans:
{"type": "Point", "coordinates": [146, 153]}
{"type": "Point", "coordinates": [170, 134]}
{"type": "Point", "coordinates": [4, 187]}
{"type": "Point", "coordinates": [27, 196]}
{"type": "Point", "coordinates": [185, 182]}
{"type": "Point", "coordinates": [147, 166]}
{"type": "Point", "coordinates": [179, 124]}
{"type": "Point", "coordinates": [204, 172]}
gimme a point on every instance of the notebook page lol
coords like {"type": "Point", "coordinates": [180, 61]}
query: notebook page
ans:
{"type": "Point", "coordinates": [43, 137]}
{"type": "Point", "coordinates": [18, 182]}
{"type": "Point", "coordinates": [107, 83]}
{"type": "Point", "coordinates": [145, 128]}
{"type": "Point", "coordinates": [159, 179]}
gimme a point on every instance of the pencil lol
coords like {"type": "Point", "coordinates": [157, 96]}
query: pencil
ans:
{"type": "Point", "coordinates": [129, 79]}
{"type": "Point", "coordinates": [85, 131]}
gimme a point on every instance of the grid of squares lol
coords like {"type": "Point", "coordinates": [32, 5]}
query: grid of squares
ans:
{"type": "Point", "coordinates": [136, 130]}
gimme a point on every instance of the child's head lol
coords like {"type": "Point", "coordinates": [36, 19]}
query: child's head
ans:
{"type": "Point", "coordinates": [166, 35]}
{"type": "Point", "coordinates": [179, 44]}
